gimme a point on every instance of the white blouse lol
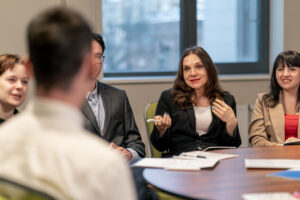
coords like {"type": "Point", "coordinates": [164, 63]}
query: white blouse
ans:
{"type": "Point", "coordinates": [203, 119]}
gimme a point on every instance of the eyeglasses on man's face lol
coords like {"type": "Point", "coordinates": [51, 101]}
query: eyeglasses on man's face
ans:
{"type": "Point", "coordinates": [100, 58]}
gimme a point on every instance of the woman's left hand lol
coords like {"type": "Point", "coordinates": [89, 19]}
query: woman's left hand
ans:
{"type": "Point", "coordinates": [226, 114]}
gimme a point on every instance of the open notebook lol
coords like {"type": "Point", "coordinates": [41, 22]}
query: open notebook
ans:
{"type": "Point", "coordinates": [292, 143]}
{"type": "Point", "coordinates": [194, 160]}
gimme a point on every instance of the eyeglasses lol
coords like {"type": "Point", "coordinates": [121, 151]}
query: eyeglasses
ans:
{"type": "Point", "coordinates": [101, 58]}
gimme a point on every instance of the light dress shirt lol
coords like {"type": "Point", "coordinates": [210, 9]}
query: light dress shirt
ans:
{"type": "Point", "coordinates": [95, 101]}
{"type": "Point", "coordinates": [203, 119]}
{"type": "Point", "coordinates": [46, 147]}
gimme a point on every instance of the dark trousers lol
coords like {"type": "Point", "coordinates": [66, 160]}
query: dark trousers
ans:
{"type": "Point", "coordinates": [143, 192]}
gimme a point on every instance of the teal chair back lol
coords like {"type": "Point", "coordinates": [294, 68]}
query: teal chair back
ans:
{"type": "Point", "coordinates": [150, 114]}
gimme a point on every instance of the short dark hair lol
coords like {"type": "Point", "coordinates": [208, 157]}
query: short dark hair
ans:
{"type": "Point", "coordinates": [58, 41]}
{"type": "Point", "coordinates": [98, 38]}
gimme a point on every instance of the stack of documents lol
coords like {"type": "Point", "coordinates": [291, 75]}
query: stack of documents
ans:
{"type": "Point", "coordinates": [291, 164]}
{"type": "Point", "coordinates": [207, 155]}
{"type": "Point", "coordinates": [269, 196]}
{"type": "Point", "coordinates": [194, 160]}
{"type": "Point", "coordinates": [176, 163]}
{"type": "Point", "coordinates": [272, 163]}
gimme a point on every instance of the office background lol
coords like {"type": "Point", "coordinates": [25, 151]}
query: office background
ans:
{"type": "Point", "coordinates": [284, 35]}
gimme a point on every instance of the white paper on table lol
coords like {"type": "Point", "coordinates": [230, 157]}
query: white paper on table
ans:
{"type": "Point", "coordinates": [272, 163]}
{"type": "Point", "coordinates": [175, 164]}
{"type": "Point", "coordinates": [207, 155]}
{"type": "Point", "coordinates": [192, 164]}
{"type": "Point", "coordinates": [269, 196]}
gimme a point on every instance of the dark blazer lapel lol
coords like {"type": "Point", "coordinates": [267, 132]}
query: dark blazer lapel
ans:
{"type": "Point", "coordinates": [88, 112]}
{"type": "Point", "coordinates": [214, 121]}
{"type": "Point", "coordinates": [277, 120]}
{"type": "Point", "coordinates": [106, 104]}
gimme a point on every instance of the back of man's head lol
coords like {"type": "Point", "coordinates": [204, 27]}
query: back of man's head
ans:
{"type": "Point", "coordinates": [58, 42]}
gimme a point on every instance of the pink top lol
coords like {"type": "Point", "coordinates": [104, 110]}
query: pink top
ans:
{"type": "Point", "coordinates": [291, 126]}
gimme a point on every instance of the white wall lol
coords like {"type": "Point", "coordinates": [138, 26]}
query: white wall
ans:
{"type": "Point", "coordinates": [284, 34]}
{"type": "Point", "coordinates": [15, 16]}
{"type": "Point", "coordinates": [291, 25]}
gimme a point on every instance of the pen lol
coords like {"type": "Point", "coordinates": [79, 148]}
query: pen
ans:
{"type": "Point", "coordinates": [199, 156]}
{"type": "Point", "coordinates": [152, 120]}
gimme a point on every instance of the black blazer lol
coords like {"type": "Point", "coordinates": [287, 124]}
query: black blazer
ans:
{"type": "Point", "coordinates": [182, 135]}
{"type": "Point", "coordinates": [119, 125]}
{"type": "Point", "coordinates": [3, 120]}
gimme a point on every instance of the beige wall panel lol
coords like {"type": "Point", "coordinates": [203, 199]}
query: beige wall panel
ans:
{"type": "Point", "coordinates": [90, 9]}
{"type": "Point", "coordinates": [14, 18]}
{"type": "Point", "coordinates": [291, 25]}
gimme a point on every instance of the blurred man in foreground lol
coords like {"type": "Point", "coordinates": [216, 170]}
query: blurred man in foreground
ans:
{"type": "Point", "coordinates": [46, 146]}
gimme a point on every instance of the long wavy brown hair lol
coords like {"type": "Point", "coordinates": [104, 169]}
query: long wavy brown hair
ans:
{"type": "Point", "coordinates": [182, 93]}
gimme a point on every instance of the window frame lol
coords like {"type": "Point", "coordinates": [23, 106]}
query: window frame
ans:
{"type": "Point", "coordinates": [188, 38]}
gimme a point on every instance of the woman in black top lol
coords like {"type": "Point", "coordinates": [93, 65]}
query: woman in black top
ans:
{"type": "Point", "coordinates": [13, 85]}
{"type": "Point", "coordinates": [195, 113]}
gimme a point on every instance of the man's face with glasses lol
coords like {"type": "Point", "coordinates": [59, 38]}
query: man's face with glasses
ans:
{"type": "Point", "coordinates": [97, 59]}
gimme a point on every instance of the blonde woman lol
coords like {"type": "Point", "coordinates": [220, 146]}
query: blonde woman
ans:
{"type": "Point", "coordinates": [13, 85]}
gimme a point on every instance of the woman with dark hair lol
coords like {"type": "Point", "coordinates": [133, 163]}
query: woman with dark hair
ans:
{"type": "Point", "coordinates": [275, 117]}
{"type": "Point", "coordinates": [13, 85]}
{"type": "Point", "coordinates": [195, 113]}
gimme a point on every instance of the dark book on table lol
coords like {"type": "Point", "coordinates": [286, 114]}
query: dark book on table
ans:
{"type": "Point", "coordinates": [297, 142]}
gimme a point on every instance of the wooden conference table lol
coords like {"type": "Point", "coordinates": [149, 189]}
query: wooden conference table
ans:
{"type": "Point", "coordinates": [229, 179]}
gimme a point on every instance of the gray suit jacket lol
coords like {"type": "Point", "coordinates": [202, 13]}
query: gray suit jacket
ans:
{"type": "Point", "coordinates": [119, 125]}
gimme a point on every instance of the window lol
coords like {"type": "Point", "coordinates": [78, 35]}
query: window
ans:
{"type": "Point", "coordinates": [147, 37]}
{"type": "Point", "coordinates": [141, 36]}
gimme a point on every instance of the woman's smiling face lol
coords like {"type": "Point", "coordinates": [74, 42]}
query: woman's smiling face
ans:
{"type": "Point", "coordinates": [14, 84]}
{"type": "Point", "coordinates": [288, 77]}
{"type": "Point", "coordinates": [194, 72]}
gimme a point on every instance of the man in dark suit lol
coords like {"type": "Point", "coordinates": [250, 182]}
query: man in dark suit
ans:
{"type": "Point", "coordinates": [108, 112]}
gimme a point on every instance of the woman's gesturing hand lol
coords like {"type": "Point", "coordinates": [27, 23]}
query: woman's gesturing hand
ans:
{"type": "Point", "coordinates": [163, 123]}
{"type": "Point", "coordinates": [226, 114]}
